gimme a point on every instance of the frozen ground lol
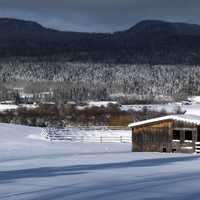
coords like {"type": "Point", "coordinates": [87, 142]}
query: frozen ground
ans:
{"type": "Point", "coordinates": [34, 169]}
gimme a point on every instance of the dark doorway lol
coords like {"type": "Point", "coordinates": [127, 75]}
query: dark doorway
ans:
{"type": "Point", "coordinates": [176, 134]}
{"type": "Point", "coordinates": [188, 135]}
{"type": "Point", "coordinates": [173, 150]}
{"type": "Point", "coordinates": [198, 134]}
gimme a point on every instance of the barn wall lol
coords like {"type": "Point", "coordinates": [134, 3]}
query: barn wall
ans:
{"type": "Point", "coordinates": [153, 137]}
{"type": "Point", "coordinates": [158, 137]}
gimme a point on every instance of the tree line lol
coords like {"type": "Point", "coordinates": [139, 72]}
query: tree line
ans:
{"type": "Point", "coordinates": [69, 81]}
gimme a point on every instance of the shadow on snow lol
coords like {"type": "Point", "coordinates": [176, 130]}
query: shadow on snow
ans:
{"type": "Point", "coordinates": [82, 169]}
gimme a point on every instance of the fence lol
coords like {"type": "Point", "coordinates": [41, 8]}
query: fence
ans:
{"type": "Point", "coordinates": [197, 147]}
{"type": "Point", "coordinates": [99, 127]}
{"type": "Point", "coordinates": [74, 135]}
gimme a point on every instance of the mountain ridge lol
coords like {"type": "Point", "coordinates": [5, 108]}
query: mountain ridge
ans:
{"type": "Point", "coordinates": [149, 41]}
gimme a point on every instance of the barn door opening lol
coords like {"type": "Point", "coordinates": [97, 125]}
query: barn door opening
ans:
{"type": "Point", "coordinates": [198, 134]}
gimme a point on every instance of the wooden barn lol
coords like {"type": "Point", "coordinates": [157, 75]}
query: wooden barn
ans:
{"type": "Point", "coordinates": [173, 133]}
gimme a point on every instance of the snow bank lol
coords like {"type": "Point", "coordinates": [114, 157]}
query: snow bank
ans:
{"type": "Point", "coordinates": [100, 103]}
{"type": "Point", "coordinates": [193, 109]}
{"type": "Point", "coordinates": [171, 107]}
{"type": "Point", "coordinates": [194, 99]}
{"type": "Point", "coordinates": [4, 107]}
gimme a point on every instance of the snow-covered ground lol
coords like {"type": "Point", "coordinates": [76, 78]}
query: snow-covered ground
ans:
{"type": "Point", "coordinates": [32, 168]}
{"type": "Point", "coordinates": [91, 104]}
{"type": "Point", "coordinates": [154, 107]}
{"type": "Point", "coordinates": [100, 103]}
{"type": "Point", "coordinates": [193, 109]}
{"type": "Point", "coordinates": [4, 107]}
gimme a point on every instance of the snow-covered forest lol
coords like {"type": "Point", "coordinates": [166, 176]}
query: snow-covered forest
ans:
{"type": "Point", "coordinates": [97, 81]}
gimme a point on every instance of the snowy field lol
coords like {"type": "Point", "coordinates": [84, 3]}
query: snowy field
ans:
{"type": "Point", "coordinates": [32, 168]}
{"type": "Point", "coordinates": [193, 109]}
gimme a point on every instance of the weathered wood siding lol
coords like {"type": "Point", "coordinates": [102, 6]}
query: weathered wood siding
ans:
{"type": "Point", "coordinates": [158, 137]}
{"type": "Point", "coordinates": [152, 137]}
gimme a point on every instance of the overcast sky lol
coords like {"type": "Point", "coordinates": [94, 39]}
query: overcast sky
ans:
{"type": "Point", "coordinates": [100, 15]}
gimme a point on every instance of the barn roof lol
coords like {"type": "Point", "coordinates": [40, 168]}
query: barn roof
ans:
{"type": "Point", "coordinates": [194, 119]}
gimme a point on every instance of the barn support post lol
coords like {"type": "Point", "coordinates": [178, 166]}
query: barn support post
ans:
{"type": "Point", "coordinates": [121, 139]}
{"type": "Point", "coordinates": [132, 139]}
{"type": "Point", "coordinates": [101, 139]}
{"type": "Point", "coordinates": [170, 137]}
{"type": "Point", "coordinates": [82, 138]}
{"type": "Point", "coordinates": [195, 138]}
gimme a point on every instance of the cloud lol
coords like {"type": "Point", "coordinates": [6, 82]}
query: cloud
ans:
{"type": "Point", "coordinates": [99, 15]}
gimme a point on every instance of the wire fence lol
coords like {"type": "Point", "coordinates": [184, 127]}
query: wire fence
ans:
{"type": "Point", "coordinates": [68, 135]}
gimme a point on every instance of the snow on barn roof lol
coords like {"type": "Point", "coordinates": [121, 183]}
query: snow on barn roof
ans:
{"type": "Point", "coordinates": [194, 119]}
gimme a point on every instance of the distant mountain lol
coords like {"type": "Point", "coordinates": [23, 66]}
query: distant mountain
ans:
{"type": "Point", "coordinates": [150, 41]}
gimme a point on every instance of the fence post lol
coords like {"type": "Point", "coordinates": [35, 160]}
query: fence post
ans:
{"type": "Point", "coordinates": [82, 138]}
{"type": "Point", "coordinates": [121, 139]}
{"type": "Point", "coordinates": [101, 139]}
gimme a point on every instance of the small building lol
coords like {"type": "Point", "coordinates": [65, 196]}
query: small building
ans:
{"type": "Point", "coordinates": [173, 133]}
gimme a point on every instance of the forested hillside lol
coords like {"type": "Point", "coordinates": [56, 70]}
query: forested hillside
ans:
{"type": "Point", "coordinates": [152, 61]}
{"type": "Point", "coordinates": [84, 81]}
{"type": "Point", "coordinates": [148, 42]}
